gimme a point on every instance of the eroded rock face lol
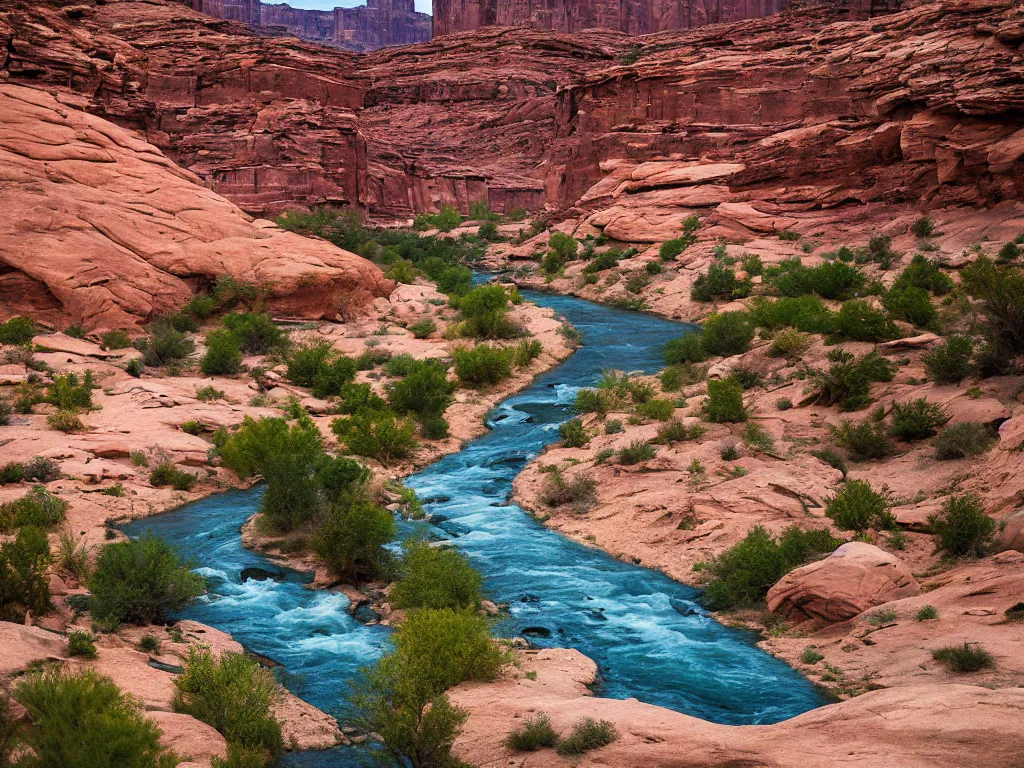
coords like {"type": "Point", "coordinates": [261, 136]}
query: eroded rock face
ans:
{"type": "Point", "coordinates": [101, 229]}
{"type": "Point", "coordinates": [853, 579]}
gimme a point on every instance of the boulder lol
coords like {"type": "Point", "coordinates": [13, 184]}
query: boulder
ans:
{"type": "Point", "coordinates": [853, 579]}
{"type": "Point", "coordinates": [1011, 537]}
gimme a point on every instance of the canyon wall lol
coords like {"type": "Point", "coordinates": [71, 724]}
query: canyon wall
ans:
{"type": "Point", "coordinates": [377, 24]}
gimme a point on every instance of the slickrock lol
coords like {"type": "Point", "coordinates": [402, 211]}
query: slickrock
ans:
{"type": "Point", "coordinates": [104, 231]}
{"type": "Point", "coordinates": [854, 578]}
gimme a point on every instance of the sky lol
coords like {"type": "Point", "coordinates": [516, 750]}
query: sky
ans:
{"type": "Point", "coordinates": [423, 6]}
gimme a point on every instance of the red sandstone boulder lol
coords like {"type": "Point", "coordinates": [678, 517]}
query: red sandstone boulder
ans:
{"type": "Point", "coordinates": [851, 580]}
{"type": "Point", "coordinates": [1011, 537]}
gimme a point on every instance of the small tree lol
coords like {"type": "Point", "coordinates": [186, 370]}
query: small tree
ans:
{"type": "Point", "coordinates": [350, 537]}
{"type": "Point", "coordinates": [24, 584]}
{"type": "Point", "coordinates": [962, 526]}
{"type": "Point", "coordinates": [436, 577]}
{"type": "Point", "coordinates": [857, 508]}
{"type": "Point", "coordinates": [725, 401]}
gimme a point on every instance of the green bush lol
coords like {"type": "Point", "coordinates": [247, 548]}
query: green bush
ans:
{"type": "Point", "coordinates": [333, 376]}
{"type": "Point", "coordinates": [911, 304]}
{"type": "Point", "coordinates": [38, 508]}
{"type": "Point", "coordinates": [573, 433]}
{"type": "Point", "coordinates": [923, 227]}
{"type": "Point", "coordinates": [962, 527]}
{"type": "Point", "coordinates": [535, 733]}
{"type": "Point", "coordinates": [17, 330]}
{"type": "Point", "coordinates": [142, 581]}
{"type": "Point", "coordinates": [421, 329]}
{"type": "Point", "coordinates": [489, 231]}
{"type": "Point", "coordinates": [483, 364]}
{"type": "Point", "coordinates": [719, 282]}
{"type": "Point", "coordinates": [455, 281]}
{"type": "Point", "coordinates": [1009, 252]}
{"type": "Point", "coordinates": [686, 349]}
{"type": "Point", "coordinates": [71, 393]}
{"type": "Point", "coordinates": [727, 334]}
{"type": "Point", "coordinates": [917, 419]}
{"type": "Point", "coordinates": [789, 343]}
{"type": "Point", "coordinates": [166, 472]}
{"type": "Point", "coordinates": [856, 507]}
{"type": "Point", "coordinates": [564, 245]}
{"type": "Point", "coordinates": [857, 320]}
{"type": "Point", "coordinates": [82, 720]}
{"type": "Point", "coordinates": [350, 539]}
{"type": "Point", "coordinates": [927, 613]}
{"type": "Point", "coordinates": [830, 280]}
{"type": "Point", "coordinates": [592, 401]}
{"type": "Point", "coordinates": [604, 261]}
{"type": "Point", "coordinates": [425, 390]}
{"type": "Point", "coordinates": [377, 434]}
{"type": "Point", "coordinates": [587, 734]}
{"type": "Point", "coordinates": [636, 452]}
{"type": "Point", "coordinates": [236, 696]}
{"type": "Point", "coordinates": [847, 382]}
{"type": "Point", "coordinates": [527, 351]}
{"type": "Point", "coordinates": [805, 313]}
{"type": "Point", "coordinates": [116, 340]}
{"type": "Point", "coordinates": [436, 577]}
{"type": "Point", "coordinates": [866, 441]}
{"type": "Point", "coordinates": [950, 361]}
{"type": "Point", "coordinates": [962, 441]}
{"type": "Point", "coordinates": [674, 431]}
{"type": "Point", "coordinates": [926, 275]}
{"type": "Point", "coordinates": [657, 409]}
{"type": "Point", "coordinates": [1001, 292]}
{"type": "Point", "coordinates": [969, 657]}
{"type": "Point", "coordinates": [757, 438]}
{"type": "Point", "coordinates": [724, 402]}
{"type": "Point", "coordinates": [256, 333]}
{"type": "Point", "coordinates": [831, 457]}
{"type": "Point", "coordinates": [485, 314]}
{"type": "Point", "coordinates": [24, 581]}
{"type": "Point", "coordinates": [305, 362]}
{"type": "Point", "coordinates": [165, 345]}
{"type": "Point", "coordinates": [223, 355]}
{"type": "Point", "coordinates": [81, 644]}
{"type": "Point", "coordinates": [580, 492]}
{"type": "Point", "coordinates": [745, 572]}
{"type": "Point", "coordinates": [65, 421]}
{"type": "Point", "coordinates": [675, 377]}
{"type": "Point", "coordinates": [5, 412]}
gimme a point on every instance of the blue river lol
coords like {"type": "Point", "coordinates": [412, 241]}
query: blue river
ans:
{"type": "Point", "coordinates": [646, 632]}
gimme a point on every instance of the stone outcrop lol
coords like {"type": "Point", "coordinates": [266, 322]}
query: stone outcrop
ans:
{"type": "Point", "coordinates": [102, 230]}
{"type": "Point", "coordinates": [377, 24]}
{"type": "Point", "coordinates": [853, 579]}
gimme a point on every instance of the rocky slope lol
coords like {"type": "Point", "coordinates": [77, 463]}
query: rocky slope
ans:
{"type": "Point", "coordinates": [104, 231]}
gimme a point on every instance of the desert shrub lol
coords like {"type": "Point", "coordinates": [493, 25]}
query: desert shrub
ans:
{"type": "Point", "coordinates": [5, 412]}
{"type": "Point", "coordinates": [71, 393]}
{"type": "Point", "coordinates": [421, 329]}
{"type": "Point", "coordinates": [1009, 252]}
{"type": "Point", "coordinates": [81, 644]}
{"type": "Point", "coordinates": [223, 356]}
{"type": "Point", "coordinates": [969, 657]}
{"type": "Point", "coordinates": [923, 227]}
{"type": "Point", "coordinates": [1001, 291]}
{"type": "Point", "coordinates": [911, 304]}
{"type": "Point", "coordinates": [962, 527]}
{"type": "Point", "coordinates": [403, 271]}
{"type": "Point", "coordinates": [964, 440]}
{"type": "Point", "coordinates": [377, 434]}
{"type": "Point", "coordinates": [563, 244]}
{"type": "Point", "coordinates": [236, 696]}
{"type": "Point", "coordinates": [535, 733]}
{"type": "Point", "coordinates": [657, 409]}
{"type": "Point", "coordinates": [917, 419]}
{"type": "Point", "coordinates": [455, 280]}
{"type": "Point", "coordinates": [73, 556]}
{"type": "Point", "coordinates": [333, 376]}
{"type": "Point", "coordinates": [831, 457]}
{"type": "Point", "coordinates": [950, 361]}
{"type": "Point", "coordinates": [810, 656]}
{"type": "Point", "coordinates": [613, 427]}
{"type": "Point", "coordinates": [527, 351]}
{"type": "Point", "coordinates": [847, 382]}
{"type": "Point", "coordinates": [745, 572]}
{"type": "Point", "coordinates": [485, 314]}
{"type": "Point", "coordinates": [149, 644]}
{"type": "Point", "coordinates": [489, 231]}
{"type": "Point", "coordinates": [208, 393]}
{"type": "Point", "coordinates": [12, 472]}
{"type": "Point", "coordinates": [805, 313]}
{"type": "Point", "coordinates": [783, 404]}
{"type": "Point", "coordinates": [757, 438]}
{"type": "Point", "coordinates": [653, 268]}
{"type": "Point", "coordinates": [483, 364]}
{"type": "Point", "coordinates": [926, 275]}
{"type": "Point", "coordinates": [592, 401]}
{"type": "Point", "coordinates": [727, 334]}
{"type": "Point", "coordinates": [425, 390]}
{"type": "Point", "coordinates": [580, 492]}
{"type": "Point", "coordinates": [789, 343]}
{"type": "Point", "coordinates": [866, 441]}
{"type": "Point", "coordinates": [686, 349]}
{"type": "Point", "coordinates": [142, 581]}
{"type": "Point", "coordinates": [350, 539]}
{"type": "Point", "coordinates": [719, 282]}
{"type": "Point", "coordinates": [587, 734]}
{"type": "Point", "coordinates": [165, 345]}
{"type": "Point", "coordinates": [857, 320]}
{"type": "Point", "coordinates": [24, 582]}
{"type": "Point", "coordinates": [256, 333]}
{"type": "Point", "coordinates": [724, 402]}
{"type": "Point", "coordinates": [116, 340]}
{"type": "Point", "coordinates": [82, 720]}
{"type": "Point", "coordinates": [436, 577]}
{"type": "Point", "coordinates": [134, 367]}
{"type": "Point", "coordinates": [829, 280]}
{"type": "Point", "coordinates": [927, 613]}
{"type": "Point", "coordinates": [856, 507]}
{"type": "Point", "coordinates": [747, 378]}
{"type": "Point", "coordinates": [674, 431]}
{"type": "Point", "coordinates": [604, 261]}
{"type": "Point", "coordinates": [38, 507]}
{"type": "Point", "coordinates": [552, 263]}
{"type": "Point", "coordinates": [165, 472]}
{"type": "Point", "coordinates": [306, 361]}
{"type": "Point", "coordinates": [65, 421]}
{"type": "Point", "coordinates": [17, 330]}
{"type": "Point", "coordinates": [573, 433]}
{"type": "Point", "coordinates": [636, 452]}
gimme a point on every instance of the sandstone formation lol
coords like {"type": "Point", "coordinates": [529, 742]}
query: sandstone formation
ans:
{"type": "Point", "coordinates": [853, 579]}
{"type": "Point", "coordinates": [377, 24]}
{"type": "Point", "coordinates": [104, 231]}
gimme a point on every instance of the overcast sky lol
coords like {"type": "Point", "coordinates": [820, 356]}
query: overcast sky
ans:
{"type": "Point", "coordinates": [326, 5]}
